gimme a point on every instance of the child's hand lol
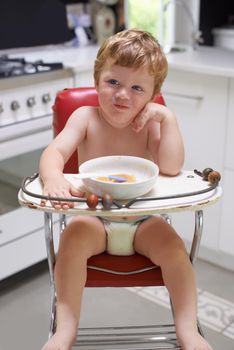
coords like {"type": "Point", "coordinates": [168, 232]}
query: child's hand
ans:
{"type": "Point", "coordinates": [58, 186]}
{"type": "Point", "coordinates": [151, 110]}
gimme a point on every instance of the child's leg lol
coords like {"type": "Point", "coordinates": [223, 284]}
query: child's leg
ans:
{"type": "Point", "coordinates": [157, 240]}
{"type": "Point", "coordinates": [82, 238]}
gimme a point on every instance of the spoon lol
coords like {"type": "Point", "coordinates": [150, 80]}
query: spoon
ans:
{"type": "Point", "coordinates": [111, 177]}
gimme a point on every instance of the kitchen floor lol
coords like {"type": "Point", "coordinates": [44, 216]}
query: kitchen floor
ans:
{"type": "Point", "coordinates": [25, 304]}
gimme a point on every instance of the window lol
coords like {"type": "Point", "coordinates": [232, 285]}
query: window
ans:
{"type": "Point", "coordinates": [172, 22]}
{"type": "Point", "coordinates": [146, 15]}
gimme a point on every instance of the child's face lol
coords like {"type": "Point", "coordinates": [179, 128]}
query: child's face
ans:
{"type": "Point", "coordinates": [123, 93]}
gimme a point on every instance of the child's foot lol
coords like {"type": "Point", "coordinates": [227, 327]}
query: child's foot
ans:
{"type": "Point", "coordinates": [193, 342]}
{"type": "Point", "coordinates": [60, 341]}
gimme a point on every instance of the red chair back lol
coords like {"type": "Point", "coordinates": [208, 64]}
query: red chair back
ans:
{"type": "Point", "coordinates": [67, 101]}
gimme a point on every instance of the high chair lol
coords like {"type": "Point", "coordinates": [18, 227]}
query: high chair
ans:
{"type": "Point", "coordinates": [107, 270]}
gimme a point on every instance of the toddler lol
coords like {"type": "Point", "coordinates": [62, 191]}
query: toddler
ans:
{"type": "Point", "coordinates": [128, 72]}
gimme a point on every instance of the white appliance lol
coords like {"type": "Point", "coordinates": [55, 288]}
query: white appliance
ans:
{"type": "Point", "coordinates": [26, 98]}
{"type": "Point", "coordinates": [105, 20]}
{"type": "Point", "coordinates": [224, 37]}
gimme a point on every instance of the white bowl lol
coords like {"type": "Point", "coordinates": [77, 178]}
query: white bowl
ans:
{"type": "Point", "coordinates": [144, 170]}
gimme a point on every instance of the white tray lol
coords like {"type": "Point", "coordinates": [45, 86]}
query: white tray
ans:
{"type": "Point", "coordinates": [186, 183]}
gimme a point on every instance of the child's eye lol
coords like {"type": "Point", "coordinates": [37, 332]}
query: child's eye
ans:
{"type": "Point", "coordinates": [137, 88]}
{"type": "Point", "coordinates": [113, 82]}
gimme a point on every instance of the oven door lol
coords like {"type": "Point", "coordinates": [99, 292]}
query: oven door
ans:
{"type": "Point", "coordinates": [21, 230]}
{"type": "Point", "coordinates": [25, 130]}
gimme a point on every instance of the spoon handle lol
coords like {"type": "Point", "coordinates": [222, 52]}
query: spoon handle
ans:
{"type": "Point", "coordinates": [115, 178]}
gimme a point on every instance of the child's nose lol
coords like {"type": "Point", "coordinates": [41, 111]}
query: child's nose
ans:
{"type": "Point", "coordinates": [122, 93]}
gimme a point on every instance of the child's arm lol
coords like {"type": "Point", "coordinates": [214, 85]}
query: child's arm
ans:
{"type": "Point", "coordinates": [166, 146]}
{"type": "Point", "coordinates": [56, 155]}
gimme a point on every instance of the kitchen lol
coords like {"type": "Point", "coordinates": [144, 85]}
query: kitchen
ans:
{"type": "Point", "coordinates": [200, 82]}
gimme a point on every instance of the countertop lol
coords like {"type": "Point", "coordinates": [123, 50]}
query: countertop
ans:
{"type": "Point", "coordinates": [205, 60]}
{"type": "Point", "coordinates": [76, 58]}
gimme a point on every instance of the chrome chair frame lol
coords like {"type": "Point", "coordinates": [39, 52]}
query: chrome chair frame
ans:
{"type": "Point", "coordinates": [140, 337]}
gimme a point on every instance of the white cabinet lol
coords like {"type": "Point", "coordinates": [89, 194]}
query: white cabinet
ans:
{"type": "Point", "coordinates": [22, 243]}
{"type": "Point", "coordinates": [200, 103]}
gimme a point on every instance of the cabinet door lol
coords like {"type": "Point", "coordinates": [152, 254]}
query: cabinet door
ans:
{"type": "Point", "coordinates": [200, 101]}
{"type": "Point", "coordinates": [22, 242]}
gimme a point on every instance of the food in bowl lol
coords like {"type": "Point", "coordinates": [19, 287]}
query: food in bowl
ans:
{"type": "Point", "coordinates": [117, 178]}
{"type": "Point", "coordinates": [142, 172]}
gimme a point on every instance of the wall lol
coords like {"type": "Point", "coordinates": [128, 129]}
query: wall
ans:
{"type": "Point", "coordinates": [213, 14]}
{"type": "Point", "coordinates": [32, 23]}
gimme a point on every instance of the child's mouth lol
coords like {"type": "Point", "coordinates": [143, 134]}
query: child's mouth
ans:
{"type": "Point", "coordinates": [120, 106]}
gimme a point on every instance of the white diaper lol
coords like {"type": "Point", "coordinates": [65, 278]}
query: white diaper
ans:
{"type": "Point", "coordinates": [120, 236]}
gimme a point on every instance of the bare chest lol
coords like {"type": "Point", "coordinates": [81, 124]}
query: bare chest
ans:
{"type": "Point", "coordinates": [102, 141]}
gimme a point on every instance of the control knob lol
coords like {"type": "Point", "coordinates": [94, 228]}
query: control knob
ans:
{"type": "Point", "coordinates": [15, 105]}
{"type": "Point", "coordinates": [31, 101]}
{"type": "Point", "coordinates": [46, 98]}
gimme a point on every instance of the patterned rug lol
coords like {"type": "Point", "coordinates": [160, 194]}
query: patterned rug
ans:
{"type": "Point", "coordinates": [213, 312]}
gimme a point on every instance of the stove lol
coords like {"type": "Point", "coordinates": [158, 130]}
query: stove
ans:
{"type": "Point", "coordinates": [27, 93]}
{"type": "Point", "coordinates": [11, 67]}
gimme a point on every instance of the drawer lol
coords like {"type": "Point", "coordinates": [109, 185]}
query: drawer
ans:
{"type": "Point", "coordinates": [18, 223]}
{"type": "Point", "coordinates": [25, 251]}
{"type": "Point", "coordinates": [21, 254]}
{"type": "Point", "coordinates": [21, 222]}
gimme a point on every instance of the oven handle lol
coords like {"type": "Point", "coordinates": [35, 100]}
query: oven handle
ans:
{"type": "Point", "coordinates": [27, 180]}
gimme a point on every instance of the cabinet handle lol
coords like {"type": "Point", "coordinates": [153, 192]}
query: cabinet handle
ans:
{"type": "Point", "coordinates": [183, 96]}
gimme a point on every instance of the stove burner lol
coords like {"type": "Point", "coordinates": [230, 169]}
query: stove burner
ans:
{"type": "Point", "coordinates": [12, 67]}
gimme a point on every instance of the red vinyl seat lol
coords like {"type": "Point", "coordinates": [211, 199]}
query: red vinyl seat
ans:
{"type": "Point", "coordinates": [66, 102]}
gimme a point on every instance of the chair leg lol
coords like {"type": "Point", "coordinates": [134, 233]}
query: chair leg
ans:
{"type": "Point", "coordinates": [167, 218]}
{"type": "Point", "coordinates": [62, 222]}
{"type": "Point", "coordinates": [51, 262]}
{"type": "Point", "coordinates": [198, 230]}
